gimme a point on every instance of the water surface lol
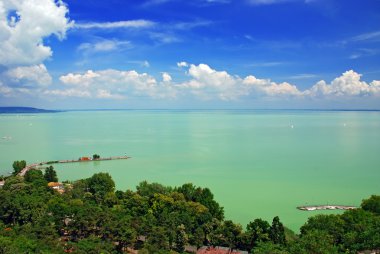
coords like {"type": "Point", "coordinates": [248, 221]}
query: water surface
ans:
{"type": "Point", "coordinates": [257, 163]}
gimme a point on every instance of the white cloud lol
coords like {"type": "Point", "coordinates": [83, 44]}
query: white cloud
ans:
{"type": "Point", "coordinates": [68, 93]}
{"type": "Point", "coordinates": [105, 94]}
{"type": "Point", "coordinates": [347, 85]}
{"type": "Point", "coordinates": [205, 83]}
{"type": "Point", "coordinates": [182, 64]}
{"type": "Point", "coordinates": [145, 64]}
{"type": "Point", "coordinates": [35, 75]}
{"type": "Point", "coordinates": [118, 84]}
{"type": "Point", "coordinates": [166, 77]}
{"type": "Point", "coordinates": [267, 2]}
{"type": "Point", "coordinates": [209, 83]}
{"type": "Point", "coordinates": [371, 36]}
{"type": "Point", "coordinates": [83, 80]}
{"type": "Point", "coordinates": [31, 21]}
{"type": "Point", "coordinates": [5, 90]}
{"type": "Point", "coordinates": [303, 76]}
{"type": "Point", "coordinates": [104, 46]}
{"type": "Point", "coordinates": [139, 23]}
{"type": "Point", "coordinates": [164, 37]}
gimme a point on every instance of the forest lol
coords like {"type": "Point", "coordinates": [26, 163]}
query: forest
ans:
{"type": "Point", "coordinates": [90, 216]}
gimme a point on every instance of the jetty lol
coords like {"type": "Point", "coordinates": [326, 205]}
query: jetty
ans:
{"type": "Point", "coordinates": [325, 207]}
{"type": "Point", "coordinates": [82, 159]}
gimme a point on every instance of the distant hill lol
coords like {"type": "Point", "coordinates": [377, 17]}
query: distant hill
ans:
{"type": "Point", "coordinates": [13, 110]}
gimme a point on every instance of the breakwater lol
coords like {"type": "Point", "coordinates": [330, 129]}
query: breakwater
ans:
{"type": "Point", "coordinates": [325, 207]}
{"type": "Point", "coordinates": [83, 159]}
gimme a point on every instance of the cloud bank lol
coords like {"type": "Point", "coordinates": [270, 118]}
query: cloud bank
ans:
{"type": "Point", "coordinates": [206, 83]}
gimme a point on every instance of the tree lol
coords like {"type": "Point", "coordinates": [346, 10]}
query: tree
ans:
{"type": "Point", "coordinates": [197, 238]}
{"type": "Point", "coordinates": [259, 231]}
{"type": "Point", "coordinates": [277, 232]}
{"type": "Point", "coordinates": [180, 239]}
{"type": "Point", "coordinates": [100, 184]}
{"type": "Point", "coordinates": [95, 156]}
{"type": "Point", "coordinates": [314, 242]}
{"type": "Point", "coordinates": [331, 224]}
{"type": "Point", "coordinates": [35, 176]}
{"type": "Point", "coordinates": [372, 204]}
{"type": "Point", "coordinates": [50, 174]}
{"type": "Point", "coordinates": [157, 240]}
{"type": "Point", "coordinates": [18, 166]}
{"type": "Point", "coordinates": [230, 233]}
{"type": "Point", "coordinates": [149, 189]}
{"type": "Point", "coordinates": [269, 248]}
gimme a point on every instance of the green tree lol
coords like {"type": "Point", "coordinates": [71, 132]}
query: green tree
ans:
{"type": "Point", "coordinates": [181, 239]}
{"type": "Point", "coordinates": [34, 175]}
{"type": "Point", "coordinates": [50, 174]}
{"type": "Point", "coordinates": [372, 204]}
{"type": "Point", "coordinates": [100, 184]}
{"type": "Point", "coordinates": [277, 232]}
{"type": "Point", "coordinates": [149, 189]}
{"type": "Point", "coordinates": [258, 231]}
{"type": "Point", "coordinates": [95, 156]}
{"type": "Point", "coordinates": [269, 248]}
{"type": "Point", "coordinates": [157, 240]}
{"type": "Point", "coordinates": [229, 234]}
{"type": "Point", "coordinates": [314, 242]}
{"type": "Point", "coordinates": [18, 166]}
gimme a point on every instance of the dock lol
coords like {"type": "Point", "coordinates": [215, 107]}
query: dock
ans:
{"type": "Point", "coordinates": [325, 207]}
{"type": "Point", "coordinates": [38, 165]}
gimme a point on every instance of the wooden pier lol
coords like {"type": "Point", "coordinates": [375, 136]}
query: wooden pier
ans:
{"type": "Point", "coordinates": [326, 207]}
{"type": "Point", "coordinates": [38, 165]}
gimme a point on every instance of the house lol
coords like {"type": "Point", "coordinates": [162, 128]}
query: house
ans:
{"type": "Point", "coordinates": [85, 158]}
{"type": "Point", "coordinates": [2, 184]}
{"type": "Point", "coordinates": [57, 186]}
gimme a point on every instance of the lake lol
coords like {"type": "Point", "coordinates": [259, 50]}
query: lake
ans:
{"type": "Point", "coordinates": [258, 163]}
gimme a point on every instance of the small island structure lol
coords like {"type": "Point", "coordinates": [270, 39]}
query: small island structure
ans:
{"type": "Point", "coordinates": [325, 207]}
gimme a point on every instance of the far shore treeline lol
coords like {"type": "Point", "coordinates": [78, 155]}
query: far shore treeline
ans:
{"type": "Point", "coordinates": [40, 215]}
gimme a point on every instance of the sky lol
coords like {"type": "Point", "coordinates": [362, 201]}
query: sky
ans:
{"type": "Point", "coordinates": [206, 54]}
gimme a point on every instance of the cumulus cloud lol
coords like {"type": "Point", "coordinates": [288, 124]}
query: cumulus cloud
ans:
{"type": "Point", "coordinates": [166, 77]}
{"type": "Point", "coordinates": [35, 75]}
{"type": "Point", "coordinates": [208, 83]}
{"type": "Point", "coordinates": [348, 84]}
{"type": "Point", "coordinates": [23, 26]}
{"type": "Point", "coordinates": [118, 84]}
{"type": "Point", "coordinates": [182, 64]}
{"type": "Point", "coordinates": [203, 83]}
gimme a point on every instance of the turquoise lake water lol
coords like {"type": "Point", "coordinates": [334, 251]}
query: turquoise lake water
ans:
{"type": "Point", "coordinates": [258, 164]}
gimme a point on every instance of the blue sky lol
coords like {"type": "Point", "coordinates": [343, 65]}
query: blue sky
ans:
{"type": "Point", "coordinates": [190, 54]}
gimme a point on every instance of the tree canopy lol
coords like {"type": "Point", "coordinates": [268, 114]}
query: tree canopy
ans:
{"type": "Point", "coordinates": [91, 217]}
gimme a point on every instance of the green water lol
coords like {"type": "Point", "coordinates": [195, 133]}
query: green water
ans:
{"type": "Point", "coordinates": [255, 163]}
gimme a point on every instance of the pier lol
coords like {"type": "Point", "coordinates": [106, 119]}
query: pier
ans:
{"type": "Point", "coordinates": [82, 159]}
{"type": "Point", "coordinates": [326, 207]}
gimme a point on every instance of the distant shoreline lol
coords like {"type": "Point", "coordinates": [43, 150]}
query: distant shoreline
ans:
{"type": "Point", "coordinates": [25, 110]}
{"type": "Point", "coordinates": [167, 109]}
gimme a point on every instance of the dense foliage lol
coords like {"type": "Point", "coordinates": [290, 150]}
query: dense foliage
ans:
{"type": "Point", "coordinates": [91, 217]}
